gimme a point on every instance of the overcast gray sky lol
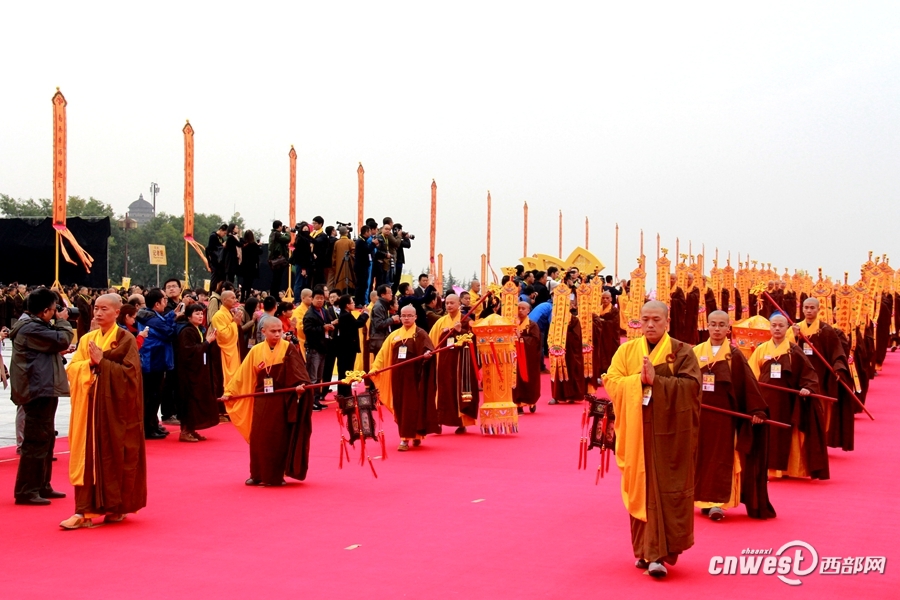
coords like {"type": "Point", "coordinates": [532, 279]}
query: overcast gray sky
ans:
{"type": "Point", "coordinates": [768, 128]}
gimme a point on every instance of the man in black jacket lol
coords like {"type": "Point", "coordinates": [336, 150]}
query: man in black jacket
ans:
{"type": "Point", "coordinates": [361, 264]}
{"type": "Point", "coordinates": [38, 380]}
{"type": "Point", "coordinates": [214, 251]}
{"type": "Point", "coordinates": [403, 240]}
{"type": "Point", "coordinates": [317, 327]}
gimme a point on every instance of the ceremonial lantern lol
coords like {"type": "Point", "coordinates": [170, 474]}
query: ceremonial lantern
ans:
{"type": "Point", "coordinates": [750, 333]}
{"type": "Point", "coordinates": [495, 339]}
{"type": "Point", "coordinates": [597, 431]}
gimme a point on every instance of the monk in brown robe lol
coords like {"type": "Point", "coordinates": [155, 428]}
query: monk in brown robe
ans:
{"type": "Point", "coordinates": [574, 388]}
{"type": "Point", "coordinates": [457, 395]}
{"type": "Point", "coordinates": [801, 451]}
{"type": "Point", "coordinates": [691, 312]}
{"type": "Point", "coordinates": [277, 426]}
{"type": "Point", "coordinates": [654, 384]}
{"type": "Point", "coordinates": [408, 391]}
{"type": "Point", "coordinates": [107, 461]}
{"type": "Point", "coordinates": [788, 299]}
{"type": "Point", "coordinates": [676, 310]}
{"type": "Point", "coordinates": [731, 460]}
{"type": "Point", "coordinates": [606, 336]}
{"type": "Point", "coordinates": [883, 328]}
{"type": "Point", "coordinates": [830, 344]}
{"type": "Point", "coordinates": [528, 383]}
{"type": "Point", "coordinates": [199, 408]}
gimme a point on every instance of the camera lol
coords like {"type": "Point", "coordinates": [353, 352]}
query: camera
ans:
{"type": "Point", "coordinates": [347, 225]}
{"type": "Point", "coordinates": [73, 312]}
{"type": "Point", "coordinates": [403, 233]}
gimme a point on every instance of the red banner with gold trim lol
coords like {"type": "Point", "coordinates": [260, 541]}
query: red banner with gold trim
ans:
{"type": "Point", "coordinates": [188, 132]}
{"type": "Point", "coordinates": [59, 183]}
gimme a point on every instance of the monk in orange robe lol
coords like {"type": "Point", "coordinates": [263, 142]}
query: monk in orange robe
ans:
{"type": "Point", "coordinates": [107, 461]}
{"type": "Point", "coordinates": [654, 384]}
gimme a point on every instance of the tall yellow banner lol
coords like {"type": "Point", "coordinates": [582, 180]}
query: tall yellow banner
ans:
{"type": "Point", "coordinates": [59, 186]}
{"type": "Point", "coordinates": [188, 132]}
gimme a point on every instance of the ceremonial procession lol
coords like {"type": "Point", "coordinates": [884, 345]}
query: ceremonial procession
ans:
{"type": "Point", "coordinates": [592, 380]}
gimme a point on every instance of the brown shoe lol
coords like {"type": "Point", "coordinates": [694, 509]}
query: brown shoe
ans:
{"type": "Point", "coordinates": [224, 419]}
{"type": "Point", "coordinates": [403, 447]}
{"type": "Point", "coordinates": [77, 522]}
{"type": "Point", "coordinates": [111, 518]}
{"type": "Point", "coordinates": [200, 438]}
{"type": "Point", "coordinates": [417, 442]}
{"type": "Point", "coordinates": [187, 437]}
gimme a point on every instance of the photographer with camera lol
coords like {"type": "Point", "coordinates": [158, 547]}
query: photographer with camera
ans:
{"type": "Point", "coordinates": [38, 377]}
{"type": "Point", "coordinates": [403, 240]}
{"type": "Point", "coordinates": [279, 238]}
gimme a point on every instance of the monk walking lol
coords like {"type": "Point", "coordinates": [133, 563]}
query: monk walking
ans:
{"type": "Point", "coordinates": [654, 384]}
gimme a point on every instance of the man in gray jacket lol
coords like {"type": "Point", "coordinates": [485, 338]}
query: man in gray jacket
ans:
{"type": "Point", "coordinates": [382, 320]}
{"type": "Point", "coordinates": [38, 380]}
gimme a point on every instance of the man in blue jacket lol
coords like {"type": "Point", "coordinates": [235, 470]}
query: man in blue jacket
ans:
{"type": "Point", "coordinates": [157, 357]}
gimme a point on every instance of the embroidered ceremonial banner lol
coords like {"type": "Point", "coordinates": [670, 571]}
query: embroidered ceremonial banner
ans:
{"type": "Point", "coordinates": [59, 184]}
{"type": "Point", "coordinates": [433, 228]}
{"type": "Point", "coordinates": [488, 253]}
{"type": "Point", "coordinates": [292, 205]}
{"type": "Point", "coordinates": [188, 132]}
{"type": "Point", "coordinates": [360, 199]}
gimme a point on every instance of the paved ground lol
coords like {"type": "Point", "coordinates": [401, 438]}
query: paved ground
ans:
{"type": "Point", "coordinates": [8, 409]}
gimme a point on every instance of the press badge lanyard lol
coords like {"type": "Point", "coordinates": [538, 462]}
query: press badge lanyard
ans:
{"type": "Point", "coordinates": [708, 381]}
{"type": "Point", "coordinates": [268, 383]}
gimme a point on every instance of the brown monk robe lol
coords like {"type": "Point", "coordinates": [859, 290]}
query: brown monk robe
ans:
{"type": "Point", "coordinates": [277, 426]}
{"type": "Point", "coordinates": [830, 344]}
{"type": "Point", "coordinates": [860, 359]}
{"type": "Point", "coordinates": [691, 313]}
{"type": "Point", "coordinates": [85, 313]}
{"type": "Point", "coordinates": [574, 388]}
{"type": "Point", "coordinates": [457, 395]}
{"type": "Point", "coordinates": [676, 311]}
{"type": "Point", "coordinates": [789, 300]}
{"type": "Point", "coordinates": [654, 384]}
{"type": "Point", "coordinates": [731, 459]}
{"type": "Point", "coordinates": [800, 451]}
{"type": "Point", "coordinates": [710, 306]}
{"type": "Point", "coordinates": [107, 461]}
{"type": "Point", "coordinates": [883, 329]}
{"type": "Point", "coordinates": [528, 383]}
{"type": "Point", "coordinates": [199, 409]}
{"type": "Point", "coordinates": [606, 336]}
{"type": "Point", "coordinates": [408, 391]}
{"type": "Point", "coordinates": [738, 305]}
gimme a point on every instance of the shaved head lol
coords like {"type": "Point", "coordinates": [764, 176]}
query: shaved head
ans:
{"type": "Point", "coordinates": [719, 314]}
{"type": "Point", "coordinates": [812, 302]}
{"type": "Point", "coordinates": [408, 310]}
{"type": "Point", "coordinates": [113, 300]}
{"type": "Point", "coordinates": [655, 305]}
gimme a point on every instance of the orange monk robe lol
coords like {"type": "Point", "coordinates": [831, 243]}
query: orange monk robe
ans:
{"type": "Point", "coordinates": [227, 337]}
{"type": "Point", "coordinates": [297, 318]}
{"type": "Point", "coordinates": [107, 460]}
{"type": "Point", "coordinates": [408, 392]}
{"type": "Point", "coordinates": [656, 444]}
{"type": "Point", "coordinates": [277, 426]}
{"type": "Point", "coordinates": [453, 368]}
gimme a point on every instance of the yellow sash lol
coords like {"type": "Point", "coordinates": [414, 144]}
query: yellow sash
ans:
{"type": "Point", "coordinates": [705, 356]}
{"type": "Point", "coordinates": [80, 380]}
{"type": "Point", "coordinates": [244, 381]}
{"type": "Point", "coordinates": [623, 383]}
{"type": "Point", "coordinates": [765, 351]}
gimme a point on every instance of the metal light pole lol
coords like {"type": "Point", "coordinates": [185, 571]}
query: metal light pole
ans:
{"type": "Point", "coordinates": [154, 190]}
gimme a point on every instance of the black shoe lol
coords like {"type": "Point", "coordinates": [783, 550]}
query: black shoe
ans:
{"type": "Point", "coordinates": [162, 430]}
{"type": "Point", "coordinates": [520, 410]}
{"type": "Point", "coordinates": [33, 500]}
{"type": "Point", "coordinates": [52, 494]}
{"type": "Point", "coordinates": [154, 435]}
{"type": "Point", "coordinates": [532, 408]}
{"type": "Point", "coordinates": [553, 401]}
{"type": "Point", "coordinates": [318, 406]}
{"type": "Point", "coordinates": [251, 481]}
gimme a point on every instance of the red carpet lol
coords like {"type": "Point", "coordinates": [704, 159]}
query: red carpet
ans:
{"type": "Point", "coordinates": [542, 529]}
